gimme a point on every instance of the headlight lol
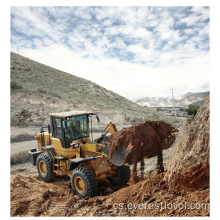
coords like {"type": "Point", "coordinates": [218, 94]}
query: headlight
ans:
{"type": "Point", "coordinates": [74, 145]}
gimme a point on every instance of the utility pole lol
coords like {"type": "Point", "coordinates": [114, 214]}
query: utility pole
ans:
{"type": "Point", "coordinates": [174, 102]}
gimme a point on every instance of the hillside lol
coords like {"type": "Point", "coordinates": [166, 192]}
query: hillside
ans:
{"type": "Point", "coordinates": [37, 89]}
{"type": "Point", "coordinates": [183, 101]}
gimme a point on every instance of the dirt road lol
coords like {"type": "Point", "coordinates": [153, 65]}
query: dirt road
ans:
{"type": "Point", "coordinates": [22, 140]}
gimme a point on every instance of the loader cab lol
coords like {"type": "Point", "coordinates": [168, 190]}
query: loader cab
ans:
{"type": "Point", "coordinates": [70, 126]}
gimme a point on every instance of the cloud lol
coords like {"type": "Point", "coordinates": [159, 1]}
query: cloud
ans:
{"type": "Point", "coordinates": [134, 51]}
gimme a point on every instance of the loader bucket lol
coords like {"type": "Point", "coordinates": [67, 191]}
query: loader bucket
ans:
{"type": "Point", "coordinates": [119, 156]}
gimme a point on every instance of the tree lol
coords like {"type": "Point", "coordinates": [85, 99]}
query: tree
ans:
{"type": "Point", "coordinates": [192, 109]}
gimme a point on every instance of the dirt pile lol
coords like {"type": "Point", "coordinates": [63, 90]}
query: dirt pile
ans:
{"type": "Point", "coordinates": [188, 168]}
{"type": "Point", "coordinates": [146, 139]}
{"type": "Point", "coordinates": [30, 196]}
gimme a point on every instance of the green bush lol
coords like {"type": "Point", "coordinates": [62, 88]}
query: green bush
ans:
{"type": "Point", "coordinates": [41, 90]}
{"type": "Point", "coordinates": [55, 95]}
{"type": "Point", "coordinates": [192, 109]}
{"type": "Point", "coordinates": [15, 85]}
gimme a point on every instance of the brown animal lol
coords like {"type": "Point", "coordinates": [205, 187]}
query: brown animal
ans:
{"type": "Point", "coordinates": [148, 139]}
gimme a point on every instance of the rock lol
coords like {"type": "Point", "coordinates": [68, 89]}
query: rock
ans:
{"type": "Point", "coordinates": [145, 197]}
{"type": "Point", "coordinates": [109, 191]}
{"type": "Point", "coordinates": [98, 202]}
{"type": "Point", "coordinates": [46, 195]}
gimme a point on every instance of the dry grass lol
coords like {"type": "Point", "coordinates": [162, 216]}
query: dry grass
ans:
{"type": "Point", "coordinates": [30, 78]}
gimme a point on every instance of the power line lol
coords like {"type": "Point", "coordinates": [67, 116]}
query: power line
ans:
{"type": "Point", "coordinates": [174, 102]}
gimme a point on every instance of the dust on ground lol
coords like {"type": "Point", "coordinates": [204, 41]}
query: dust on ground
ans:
{"type": "Point", "coordinates": [30, 196]}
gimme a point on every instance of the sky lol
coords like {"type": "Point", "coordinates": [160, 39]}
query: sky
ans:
{"type": "Point", "coordinates": [133, 51]}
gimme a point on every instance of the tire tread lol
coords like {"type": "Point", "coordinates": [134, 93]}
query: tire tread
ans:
{"type": "Point", "coordinates": [49, 163]}
{"type": "Point", "coordinates": [90, 180]}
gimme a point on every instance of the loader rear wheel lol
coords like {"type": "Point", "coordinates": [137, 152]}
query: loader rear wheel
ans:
{"type": "Point", "coordinates": [84, 182]}
{"type": "Point", "coordinates": [45, 167]}
{"type": "Point", "coordinates": [122, 175]}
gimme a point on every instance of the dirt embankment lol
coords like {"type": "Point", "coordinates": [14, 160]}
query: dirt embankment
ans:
{"type": "Point", "coordinates": [30, 196]}
{"type": "Point", "coordinates": [188, 168]}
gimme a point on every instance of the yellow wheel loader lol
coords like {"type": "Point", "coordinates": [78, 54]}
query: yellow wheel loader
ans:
{"type": "Point", "coordinates": [66, 148]}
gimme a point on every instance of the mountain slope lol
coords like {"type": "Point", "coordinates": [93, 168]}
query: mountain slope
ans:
{"type": "Point", "coordinates": [183, 101]}
{"type": "Point", "coordinates": [37, 89]}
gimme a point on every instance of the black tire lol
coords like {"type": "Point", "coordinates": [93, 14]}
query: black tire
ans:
{"type": "Point", "coordinates": [122, 177]}
{"type": "Point", "coordinates": [45, 167]}
{"type": "Point", "coordinates": [88, 177]}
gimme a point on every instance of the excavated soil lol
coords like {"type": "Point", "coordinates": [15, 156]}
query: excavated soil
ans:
{"type": "Point", "coordinates": [145, 139]}
{"type": "Point", "coordinates": [30, 196]}
{"type": "Point", "coordinates": [183, 190]}
{"type": "Point", "coordinates": [189, 166]}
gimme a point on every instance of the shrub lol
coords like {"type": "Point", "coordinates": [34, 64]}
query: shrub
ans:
{"type": "Point", "coordinates": [55, 95]}
{"type": "Point", "coordinates": [192, 109]}
{"type": "Point", "coordinates": [41, 90]}
{"type": "Point", "coordinates": [15, 85]}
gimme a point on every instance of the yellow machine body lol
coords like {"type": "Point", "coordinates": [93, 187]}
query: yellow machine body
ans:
{"type": "Point", "coordinates": [86, 148]}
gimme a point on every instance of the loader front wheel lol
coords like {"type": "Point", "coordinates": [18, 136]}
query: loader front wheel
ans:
{"type": "Point", "coordinates": [84, 182]}
{"type": "Point", "coordinates": [45, 167]}
{"type": "Point", "coordinates": [121, 176]}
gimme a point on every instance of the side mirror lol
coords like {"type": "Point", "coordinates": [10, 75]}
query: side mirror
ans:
{"type": "Point", "coordinates": [97, 117]}
{"type": "Point", "coordinates": [64, 124]}
{"type": "Point", "coordinates": [48, 126]}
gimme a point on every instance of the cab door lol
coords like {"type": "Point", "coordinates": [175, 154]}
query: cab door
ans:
{"type": "Point", "coordinates": [57, 129]}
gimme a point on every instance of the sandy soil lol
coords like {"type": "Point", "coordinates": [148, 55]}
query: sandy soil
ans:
{"type": "Point", "coordinates": [30, 196]}
{"type": "Point", "coordinates": [151, 196]}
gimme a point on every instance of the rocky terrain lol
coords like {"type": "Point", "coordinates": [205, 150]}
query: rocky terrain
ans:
{"type": "Point", "coordinates": [37, 89]}
{"type": "Point", "coordinates": [183, 101]}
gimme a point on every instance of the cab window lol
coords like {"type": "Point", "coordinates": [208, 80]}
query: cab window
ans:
{"type": "Point", "coordinates": [77, 128]}
{"type": "Point", "coordinates": [57, 129]}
